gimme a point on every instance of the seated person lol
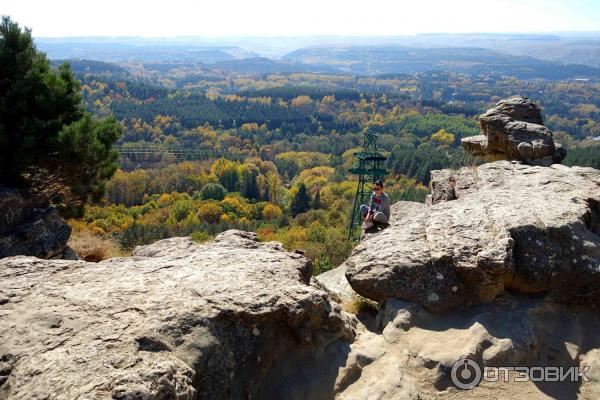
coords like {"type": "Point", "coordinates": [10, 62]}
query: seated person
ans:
{"type": "Point", "coordinates": [379, 208]}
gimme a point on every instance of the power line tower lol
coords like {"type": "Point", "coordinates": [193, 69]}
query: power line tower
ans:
{"type": "Point", "coordinates": [369, 169]}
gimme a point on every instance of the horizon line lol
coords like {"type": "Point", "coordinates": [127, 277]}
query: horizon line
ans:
{"type": "Point", "coordinates": [537, 33]}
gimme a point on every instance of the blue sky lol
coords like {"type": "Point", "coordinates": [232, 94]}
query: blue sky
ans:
{"type": "Point", "coordinates": [153, 18]}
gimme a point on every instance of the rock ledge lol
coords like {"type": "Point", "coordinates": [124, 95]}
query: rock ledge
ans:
{"type": "Point", "coordinates": [500, 226]}
{"type": "Point", "coordinates": [231, 318]}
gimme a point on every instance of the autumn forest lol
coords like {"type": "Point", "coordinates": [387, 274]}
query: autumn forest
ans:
{"type": "Point", "coordinates": [209, 148]}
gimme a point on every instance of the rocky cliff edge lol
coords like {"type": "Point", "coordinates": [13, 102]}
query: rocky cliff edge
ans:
{"type": "Point", "coordinates": [233, 318]}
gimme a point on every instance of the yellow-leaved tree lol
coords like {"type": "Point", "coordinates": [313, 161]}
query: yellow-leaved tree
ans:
{"type": "Point", "coordinates": [443, 138]}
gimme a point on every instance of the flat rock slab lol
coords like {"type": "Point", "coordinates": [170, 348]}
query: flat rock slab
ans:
{"type": "Point", "coordinates": [176, 320]}
{"type": "Point", "coordinates": [499, 226]}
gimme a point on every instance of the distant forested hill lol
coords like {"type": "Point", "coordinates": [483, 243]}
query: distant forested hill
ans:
{"type": "Point", "coordinates": [559, 58]}
{"type": "Point", "coordinates": [104, 50]}
{"type": "Point", "coordinates": [83, 67]}
{"type": "Point", "coordinates": [261, 65]}
{"type": "Point", "coordinates": [396, 59]}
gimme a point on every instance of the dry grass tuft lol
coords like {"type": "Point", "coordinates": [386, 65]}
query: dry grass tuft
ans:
{"type": "Point", "coordinates": [93, 248]}
{"type": "Point", "coordinates": [358, 305]}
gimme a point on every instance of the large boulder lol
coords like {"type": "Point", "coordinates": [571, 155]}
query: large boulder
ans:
{"type": "Point", "coordinates": [407, 352]}
{"type": "Point", "coordinates": [514, 130]}
{"type": "Point", "coordinates": [500, 226]}
{"type": "Point", "coordinates": [518, 108]}
{"type": "Point", "coordinates": [411, 352]}
{"type": "Point", "coordinates": [232, 318]}
{"type": "Point", "coordinates": [30, 227]}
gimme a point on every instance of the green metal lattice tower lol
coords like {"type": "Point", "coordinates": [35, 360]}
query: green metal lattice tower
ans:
{"type": "Point", "coordinates": [369, 169]}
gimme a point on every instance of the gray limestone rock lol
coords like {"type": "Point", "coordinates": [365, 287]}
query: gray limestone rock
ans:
{"type": "Point", "coordinates": [232, 318]}
{"type": "Point", "coordinates": [513, 130]}
{"type": "Point", "coordinates": [500, 226]}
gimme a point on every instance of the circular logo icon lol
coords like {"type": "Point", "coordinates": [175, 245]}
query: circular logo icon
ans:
{"type": "Point", "coordinates": [465, 374]}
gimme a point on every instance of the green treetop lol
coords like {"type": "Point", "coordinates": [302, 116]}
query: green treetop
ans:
{"type": "Point", "coordinates": [48, 144]}
{"type": "Point", "coordinates": [301, 200]}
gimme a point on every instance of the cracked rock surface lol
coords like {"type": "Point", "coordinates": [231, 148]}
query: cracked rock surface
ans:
{"type": "Point", "coordinates": [500, 226]}
{"type": "Point", "coordinates": [232, 318]}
